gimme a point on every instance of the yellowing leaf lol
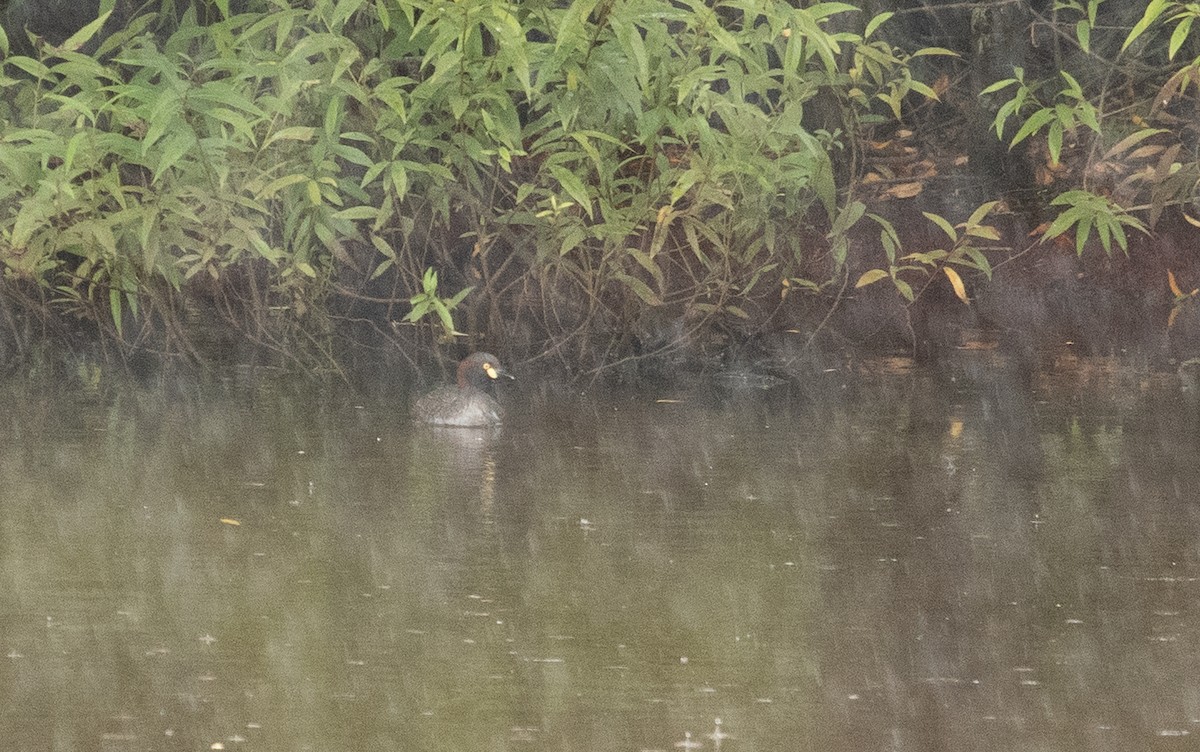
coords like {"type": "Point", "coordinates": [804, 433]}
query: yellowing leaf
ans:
{"type": "Point", "coordinates": [1173, 284]}
{"type": "Point", "coordinates": [956, 282]}
{"type": "Point", "coordinates": [904, 190]}
{"type": "Point", "coordinates": [870, 277]}
{"type": "Point", "coordinates": [1146, 151]}
{"type": "Point", "coordinates": [229, 521]}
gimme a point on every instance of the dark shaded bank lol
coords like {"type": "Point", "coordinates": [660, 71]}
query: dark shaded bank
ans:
{"type": "Point", "coordinates": [1039, 298]}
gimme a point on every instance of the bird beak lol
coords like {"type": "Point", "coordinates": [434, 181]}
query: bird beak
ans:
{"type": "Point", "coordinates": [494, 372]}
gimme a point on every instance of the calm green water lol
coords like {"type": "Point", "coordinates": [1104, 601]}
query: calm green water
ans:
{"type": "Point", "coordinates": [974, 559]}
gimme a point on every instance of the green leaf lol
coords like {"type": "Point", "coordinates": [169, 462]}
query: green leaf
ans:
{"type": "Point", "coordinates": [1032, 125]}
{"type": "Point", "coordinates": [1083, 32]}
{"type": "Point", "coordinates": [987, 232]}
{"type": "Point", "coordinates": [1179, 36]}
{"type": "Point", "coordinates": [1153, 10]}
{"type": "Point", "coordinates": [639, 288]}
{"type": "Point", "coordinates": [981, 262]}
{"type": "Point", "coordinates": [847, 217]}
{"type": "Point", "coordinates": [1061, 224]}
{"type": "Point", "coordinates": [943, 223]}
{"type": "Point", "coordinates": [446, 319]}
{"type": "Point", "coordinates": [574, 22]}
{"type": "Point", "coordinates": [980, 212]}
{"type": "Point", "coordinates": [34, 68]}
{"type": "Point", "coordinates": [1002, 115]}
{"type": "Point", "coordinates": [921, 88]}
{"type": "Point", "coordinates": [573, 186]}
{"type": "Point", "coordinates": [81, 37]}
{"type": "Point", "coordinates": [1084, 228]}
{"type": "Point", "coordinates": [278, 184]}
{"type": "Point", "coordinates": [383, 247]}
{"type": "Point", "coordinates": [453, 302]}
{"type": "Point", "coordinates": [821, 11]}
{"type": "Point", "coordinates": [357, 212]}
{"type": "Point", "coordinates": [1054, 141]}
{"type": "Point", "coordinates": [1072, 85]}
{"type": "Point", "coordinates": [399, 177]}
{"type": "Point", "coordinates": [935, 51]}
{"type": "Point", "coordinates": [1130, 141]}
{"type": "Point", "coordinates": [649, 264]}
{"type": "Point", "coordinates": [876, 22]}
{"type": "Point", "coordinates": [419, 309]}
{"type": "Point", "coordinates": [294, 133]}
{"type": "Point", "coordinates": [1087, 114]}
{"type": "Point", "coordinates": [998, 86]}
{"type": "Point", "coordinates": [383, 267]}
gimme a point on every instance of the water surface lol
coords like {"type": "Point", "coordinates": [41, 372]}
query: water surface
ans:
{"type": "Point", "coordinates": [981, 557]}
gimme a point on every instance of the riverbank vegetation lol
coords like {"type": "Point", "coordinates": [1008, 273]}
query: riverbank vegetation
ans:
{"type": "Point", "coordinates": [587, 181]}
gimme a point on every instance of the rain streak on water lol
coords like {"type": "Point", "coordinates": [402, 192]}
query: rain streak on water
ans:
{"type": "Point", "coordinates": [981, 557]}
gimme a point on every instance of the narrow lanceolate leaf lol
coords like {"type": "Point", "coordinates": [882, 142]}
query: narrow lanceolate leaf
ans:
{"type": "Point", "coordinates": [1153, 10]}
{"type": "Point", "coordinates": [956, 282]}
{"type": "Point", "coordinates": [1032, 125]}
{"type": "Point", "coordinates": [81, 37]}
{"type": "Point", "coordinates": [294, 133]}
{"type": "Point", "coordinates": [1179, 36]}
{"type": "Point", "coordinates": [943, 223]}
{"type": "Point", "coordinates": [870, 277]}
{"type": "Point", "coordinates": [980, 212]}
{"type": "Point", "coordinates": [875, 23]}
{"type": "Point", "coordinates": [1173, 284]}
{"type": "Point", "coordinates": [573, 186]}
{"type": "Point", "coordinates": [1130, 141]}
{"type": "Point", "coordinates": [114, 304]}
{"type": "Point", "coordinates": [998, 86]}
{"type": "Point", "coordinates": [639, 288]}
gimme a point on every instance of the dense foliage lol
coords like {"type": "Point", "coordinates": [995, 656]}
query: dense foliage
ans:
{"type": "Point", "coordinates": [573, 176]}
